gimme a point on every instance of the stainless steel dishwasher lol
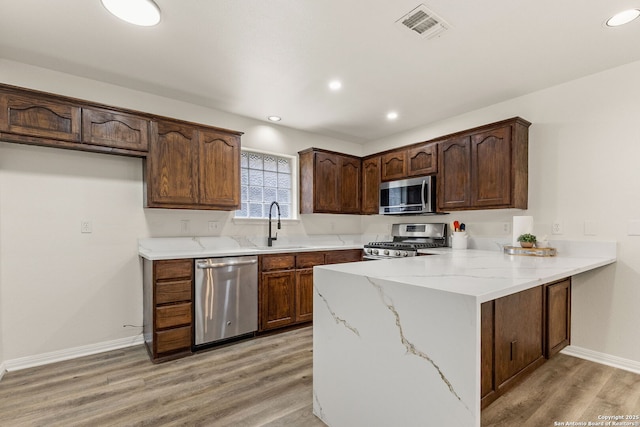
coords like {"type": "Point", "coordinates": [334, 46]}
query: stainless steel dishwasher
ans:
{"type": "Point", "coordinates": [226, 298]}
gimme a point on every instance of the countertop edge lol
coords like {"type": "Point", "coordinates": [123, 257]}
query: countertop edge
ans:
{"type": "Point", "coordinates": [215, 253]}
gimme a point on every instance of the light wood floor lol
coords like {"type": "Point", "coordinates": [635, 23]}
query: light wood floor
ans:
{"type": "Point", "coordinates": [267, 382]}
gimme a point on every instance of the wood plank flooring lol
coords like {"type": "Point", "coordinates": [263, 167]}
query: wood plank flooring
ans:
{"type": "Point", "coordinates": [267, 382]}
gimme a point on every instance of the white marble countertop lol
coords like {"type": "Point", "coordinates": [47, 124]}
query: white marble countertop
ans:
{"type": "Point", "coordinates": [210, 247]}
{"type": "Point", "coordinates": [485, 274]}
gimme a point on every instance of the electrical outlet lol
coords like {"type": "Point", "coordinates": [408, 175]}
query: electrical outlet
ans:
{"type": "Point", "coordinates": [213, 226]}
{"type": "Point", "coordinates": [185, 226]}
{"type": "Point", "coordinates": [556, 228]}
{"type": "Point", "coordinates": [506, 227]}
{"type": "Point", "coordinates": [85, 227]}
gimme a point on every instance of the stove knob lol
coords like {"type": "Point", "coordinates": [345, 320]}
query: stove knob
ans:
{"type": "Point", "coordinates": [386, 251]}
{"type": "Point", "coordinates": [375, 252]}
{"type": "Point", "coordinates": [367, 250]}
{"type": "Point", "coordinates": [397, 253]}
{"type": "Point", "coordinates": [405, 253]}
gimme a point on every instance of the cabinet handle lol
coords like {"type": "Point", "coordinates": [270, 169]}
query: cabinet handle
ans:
{"type": "Point", "coordinates": [205, 265]}
{"type": "Point", "coordinates": [512, 350]}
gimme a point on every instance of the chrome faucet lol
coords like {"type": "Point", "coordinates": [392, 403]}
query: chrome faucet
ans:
{"type": "Point", "coordinates": [271, 239]}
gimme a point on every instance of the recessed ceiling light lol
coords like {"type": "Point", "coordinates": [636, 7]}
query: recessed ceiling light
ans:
{"type": "Point", "coordinates": [335, 85]}
{"type": "Point", "coordinates": [138, 12]}
{"type": "Point", "coordinates": [623, 18]}
{"type": "Point", "coordinates": [392, 115]}
{"type": "Point", "coordinates": [274, 118]}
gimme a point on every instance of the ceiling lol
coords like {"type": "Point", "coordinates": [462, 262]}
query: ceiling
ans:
{"type": "Point", "coordinates": [258, 58]}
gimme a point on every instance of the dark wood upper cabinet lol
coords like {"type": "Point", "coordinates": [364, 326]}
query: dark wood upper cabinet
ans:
{"type": "Point", "coordinates": [454, 180]}
{"type": "Point", "coordinates": [329, 182]}
{"type": "Point", "coordinates": [350, 176]}
{"type": "Point", "coordinates": [39, 117]}
{"type": "Point", "coordinates": [422, 160]}
{"type": "Point", "coordinates": [491, 168]}
{"type": "Point", "coordinates": [371, 185]}
{"type": "Point", "coordinates": [192, 167]}
{"type": "Point", "coordinates": [485, 167]}
{"type": "Point", "coordinates": [115, 129]}
{"type": "Point", "coordinates": [414, 160]}
{"type": "Point", "coordinates": [219, 169]}
{"type": "Point", "coordinates": [394, 165]}
{"type": "Point", "coordinates": [172, 166]}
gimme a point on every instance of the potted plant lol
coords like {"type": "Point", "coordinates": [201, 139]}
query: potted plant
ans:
{"type": "Point", "coordinates": [527, 240]}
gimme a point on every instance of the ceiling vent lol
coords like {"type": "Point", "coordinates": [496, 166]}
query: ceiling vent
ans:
{"type": "Point", "coordinates": [423, 22]}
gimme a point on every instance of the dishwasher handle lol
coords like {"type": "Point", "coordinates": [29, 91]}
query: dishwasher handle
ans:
{"type": "Point", "coordinates": [204, 265]}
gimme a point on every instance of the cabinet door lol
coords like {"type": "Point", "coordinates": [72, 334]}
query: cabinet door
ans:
{"type": "Point", "coordinates": [41, 118]}
{"type": "Point", "coordinates": [558, 311]}
{"type": "Point", "coordinates": [304, 295]}
{"type": "Point", "coordinates": [113, 129]}
{"type": "Point", "coordinates": [219, 169]}
{"type": "Point", "coordinates": [371, 186]}
{"type": "Point", "coordinates": [454, 184]}
{"type": "Point", "coordinates": [349, 185]}
{"type": "Point", "coordinates": [326, 179]}
{"type": "Point", "coordinates": [487, 387]}
{"type": "Point", "coordinates": [277, 299]}
{"type": "Point", "coordinates": [518, 333]}
{"type": "Point", "coordinates": [394, 165]}
{"type": "Point", "coordinates": [422, 160]}
{"type": "Point", "coordinates": [172, 165]}
{"type": "Point", "coordinates": [491, 168]}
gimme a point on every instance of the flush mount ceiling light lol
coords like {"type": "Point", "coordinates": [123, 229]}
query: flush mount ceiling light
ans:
{"type": "Point", "coordinates": [335, 85]}
{"type": "Point", "coordinates": [392, 115]}
{"type": "Point", "coordinates": [138, 12]}
{"type": "Point", "coordinates": [622, 18]}
{"type": "Point", "coordinates": [274, 118]}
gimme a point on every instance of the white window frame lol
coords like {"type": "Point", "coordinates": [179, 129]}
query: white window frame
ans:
{"type": "Point", "coordinates": [294, 218]}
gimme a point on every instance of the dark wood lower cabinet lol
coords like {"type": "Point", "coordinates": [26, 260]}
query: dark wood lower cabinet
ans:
{"type": "Point", "coordinates": [286, 285]}
{"type": "Point", "coordinates": [304, 295]}
{"type": "Point", "coordinates": [168, 308]}
{"type": "Point", "coordinates": [518, 332]}
{"type": "Point", "coordinates": [558, 321]}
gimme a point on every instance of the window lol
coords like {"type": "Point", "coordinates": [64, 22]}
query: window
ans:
{"type": "Point", "coordinates": [265, 178]}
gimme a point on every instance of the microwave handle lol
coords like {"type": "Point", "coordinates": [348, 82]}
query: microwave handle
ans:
{"type": "Point", "coordinates": [424, 184]}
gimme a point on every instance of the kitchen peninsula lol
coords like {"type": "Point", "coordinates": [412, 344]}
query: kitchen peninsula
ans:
{"type": "Point", "coordinates": [397, 342]}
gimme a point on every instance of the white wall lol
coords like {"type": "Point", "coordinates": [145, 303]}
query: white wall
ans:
{"type": "Point", "coordinates": [62, 289]}
{"type": "Point", "coordinates": [584, 149]}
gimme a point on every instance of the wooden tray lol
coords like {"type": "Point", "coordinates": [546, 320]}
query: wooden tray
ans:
{"type": "Point", "coordinates": [516, 250]}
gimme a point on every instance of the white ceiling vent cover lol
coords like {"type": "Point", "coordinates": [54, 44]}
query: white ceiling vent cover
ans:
{"type": "Point", "coordinates": [423, 22]}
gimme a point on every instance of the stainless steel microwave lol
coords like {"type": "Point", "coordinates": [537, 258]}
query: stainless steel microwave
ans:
{"type": "Point", "coordinates": [414, 196]}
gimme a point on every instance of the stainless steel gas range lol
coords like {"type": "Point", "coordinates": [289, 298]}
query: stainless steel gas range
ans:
{"type": "Point", "coordinates": [407, 239]}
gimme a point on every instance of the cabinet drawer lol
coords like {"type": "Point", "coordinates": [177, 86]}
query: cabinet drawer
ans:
{"type": "Point", "coordinates": [173, 269]}
{"type": "Point", "coordinates": [173, 315]}
{"type": "Point", "coordinates": [339, 257]}
{"type": "Point", "coordinates": [173, 339]}
{"type": "Point", "coordinates": [309, 259]}
{"type": "Point", "coordinates": [278, 262]}
{"type": "Point", "coordinates": [33, 116]}
{"type": "Point", "coordinates": [174, 291]}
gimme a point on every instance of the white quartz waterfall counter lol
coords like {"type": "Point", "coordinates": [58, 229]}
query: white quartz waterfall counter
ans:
{"type": "Point", "coordinates": [397, 342]}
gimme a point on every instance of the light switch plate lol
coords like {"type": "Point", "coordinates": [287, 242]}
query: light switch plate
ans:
{"type": "Point", "coordinates": [590, 228]}
{"type": "Point", "coordinates": [633, 228]}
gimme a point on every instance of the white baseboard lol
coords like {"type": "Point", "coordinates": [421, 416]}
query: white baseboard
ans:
{"type": "Point", "coordinates": [3, 369]}
{"type": "Point", "coordinates": [602, 358]}
{"type": "Point", "coordinates": [70, 353]}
